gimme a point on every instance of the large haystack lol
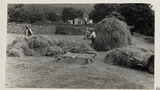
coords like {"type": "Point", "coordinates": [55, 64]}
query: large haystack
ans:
{"type": "Point", "coordinates": [122, 56]}
{"type": "Point", "coordinates": [111, 33]}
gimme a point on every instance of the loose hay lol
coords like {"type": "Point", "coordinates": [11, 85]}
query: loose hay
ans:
{"type": "Point", "coordinates": [118, 58]}
{"type": "Point", "coordinates": [27, 51]}
{"type": "Point", "coordinates": [111, 33]}
{"type": "Point", "coordinates": [18, 46]}
{"type": "Point", "coordinates": [40, 46]}
{"type": "Point", "coordinates": [68, 45]}
{"type": "Point", "coordinates": [38, 42]}
{"type": "Point", "coordinates": [54, 51]}
{"type": "Point", "coordinates": [15, 53]}
{"type": "Point", "coordinates": [52, 42]}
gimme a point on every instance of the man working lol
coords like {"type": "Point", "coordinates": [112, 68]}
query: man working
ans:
{"type": "Point", "coordinates": [28, 32]}
{"type": "Point", "coordinates": [90, 34]}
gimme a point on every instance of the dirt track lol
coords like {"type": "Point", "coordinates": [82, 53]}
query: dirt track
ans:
{"type": "Point", "coordinates": [44, 72]}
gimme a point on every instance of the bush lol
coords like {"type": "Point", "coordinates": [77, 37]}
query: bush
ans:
{"type": "Point", "coordinates": [148, 31]}
{"type": "Point", "coordinates": [70, 30]}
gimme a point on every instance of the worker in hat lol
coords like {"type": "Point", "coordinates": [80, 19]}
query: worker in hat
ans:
{"type": "Point", "coordinates": [90, 34]}
{"type": "Point", "coordinates": [28, 31]}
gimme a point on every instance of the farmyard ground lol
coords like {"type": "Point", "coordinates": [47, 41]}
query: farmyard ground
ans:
{"type": "Point", "coordinates": [45, 72]}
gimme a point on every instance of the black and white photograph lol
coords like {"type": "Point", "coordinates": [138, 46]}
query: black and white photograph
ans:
{"type": "Point", "coordinates": [80, 46]}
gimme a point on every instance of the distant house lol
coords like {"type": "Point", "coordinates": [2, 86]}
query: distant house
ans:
{"type": "Point", "coordinates": [79, 21]}
{"type": "Point", "coordinates": [71, 21]}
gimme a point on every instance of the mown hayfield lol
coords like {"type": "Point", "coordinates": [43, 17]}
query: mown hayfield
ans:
{"type": "Point", "coordinates": [45, 72]}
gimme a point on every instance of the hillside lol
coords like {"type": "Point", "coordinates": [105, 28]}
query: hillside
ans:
{"type": "Point", "coordinates": [57, 8]}
{"type": "Point", "coordinates": [86, 8]}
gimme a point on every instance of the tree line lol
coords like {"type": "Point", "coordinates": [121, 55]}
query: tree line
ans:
{"type": "Point", "coordinates": [139, 15]}
{"type": "Point", "coordinates": [30, 14]}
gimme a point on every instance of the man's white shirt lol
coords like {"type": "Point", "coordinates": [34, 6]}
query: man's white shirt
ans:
{"type": "Point", "coordinates": [93, 35]}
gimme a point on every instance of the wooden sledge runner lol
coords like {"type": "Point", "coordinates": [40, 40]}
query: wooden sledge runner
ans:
{"type": "Point", "coordinates": [88, 57]}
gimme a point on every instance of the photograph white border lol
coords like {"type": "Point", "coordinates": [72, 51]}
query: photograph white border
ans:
{"type": "Point", "coordinates": [3, 28]}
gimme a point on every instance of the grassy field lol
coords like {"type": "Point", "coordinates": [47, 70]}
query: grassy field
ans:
{"type": "Point", "coordinates": [45, 72]}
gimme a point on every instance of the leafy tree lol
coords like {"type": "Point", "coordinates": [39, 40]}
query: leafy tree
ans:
{"type": "Point", "coordinates": [116, 15]}
{"type": "Point", "coordinates": [24, 13]}
{"type": "Point", "coordinates": [140, 15]}
{"type": "Point", "coordinates": [102, 10]}
{"type": "Point", "coordinates": [52, 16]}
{"type": "Point", "coordinates": [70, 13]}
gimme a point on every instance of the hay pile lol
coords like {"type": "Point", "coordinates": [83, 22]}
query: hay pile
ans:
{"type": "Point", "coordinates": [111, 33]}
{"type": "Point", "coordinates": [19, 48]}
{"type": "Point", "coordinates": [54, 51]}
{"type": "Point", "coordinates": [68, 45]}
{"type": "Point", "coordinates": [118, 58]}
{"type": "Point", "coordinates": [40, 46]}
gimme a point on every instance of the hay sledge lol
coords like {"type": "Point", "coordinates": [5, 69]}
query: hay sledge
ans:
{"type": "Point", "coordinates": [131, 56]}
{"type": "Point", "coordinates": [88, 57]}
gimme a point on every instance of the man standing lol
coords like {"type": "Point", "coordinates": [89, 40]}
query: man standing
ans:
{"type": "Point", "coordinates": [28, 32]}
{"type": "Point", "coordinates": [92, 37]}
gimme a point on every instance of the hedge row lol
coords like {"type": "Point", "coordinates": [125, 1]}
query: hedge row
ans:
{"type": "Point", "coordinates": [37, 29]}
{"type": "Point", "coordinates": [70, 30]}
{"type": "Point", "coordinates": [64, 29]}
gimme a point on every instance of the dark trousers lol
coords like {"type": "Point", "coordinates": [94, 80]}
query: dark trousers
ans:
{"type": "Point", "coordinates": [93, 42]}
